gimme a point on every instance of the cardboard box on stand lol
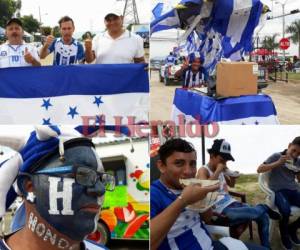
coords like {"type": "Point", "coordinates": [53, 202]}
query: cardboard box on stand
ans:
{"type": "Point", "coordinates": [236, 78]}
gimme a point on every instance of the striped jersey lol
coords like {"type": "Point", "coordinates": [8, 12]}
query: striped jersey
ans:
{"type": "Point", "coordinates": [188, 232]}
{"type": "Point", "coordinates": [66, 54]}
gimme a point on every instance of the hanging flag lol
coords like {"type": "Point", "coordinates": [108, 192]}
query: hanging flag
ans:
{"type": "Point", "coordinates": [70, 94]}
{"type": "Point", "coordinates": [167, 21]}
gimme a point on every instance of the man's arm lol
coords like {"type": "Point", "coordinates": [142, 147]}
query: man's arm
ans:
{"type": "Point", "coordinates": [30, 59]}
{"type": "Point", "coordinates": [265, 167]}
{"type": "Point", "coordinates": [204, 175]}
{"type": "Point", "coordinates": [44, 52]}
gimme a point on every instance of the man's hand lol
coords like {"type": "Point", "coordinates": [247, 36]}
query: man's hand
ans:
{"type": "Point", "coordinates": [195, 192]}
{"type": "Point", "coordinates": [88, 44]}
{"type": "Point", "coordinates": [282, 159]}
{"type": "Point", "coordinates": [221, 167]}
{"type": "Point", "coordinates": [49, 40]}
{"type": "Point", "coordinates": [28, 57]}
{"type": "Point", "coordinates": [185, 64]}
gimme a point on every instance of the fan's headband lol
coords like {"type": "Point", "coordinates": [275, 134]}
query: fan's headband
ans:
{"type": "Point", "coordinates": [75, 142]}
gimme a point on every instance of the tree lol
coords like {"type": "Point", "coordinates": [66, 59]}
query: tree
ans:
{"type": "Point", "coordinates": [294, 30]}
{"type": "Point", "coordinates": [45, 30]}
{"type": "Point", "coordinates": [7, 9]}
{"type": "Point", "coordinates": [56, 31]}
{"type": "Point", "coordinates": [30, 24]}
{"type": "Point", "coordinates": [270, 43]}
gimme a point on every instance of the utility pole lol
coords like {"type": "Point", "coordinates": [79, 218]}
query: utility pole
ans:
{"type": "Point", "coordinates": [130, 12]}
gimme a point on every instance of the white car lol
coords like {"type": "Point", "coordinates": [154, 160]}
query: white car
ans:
{"type": "Point", "coordinates": [167, 73]}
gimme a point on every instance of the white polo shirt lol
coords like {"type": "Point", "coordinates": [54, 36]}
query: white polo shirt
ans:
{"type": "Point", "coordinates": [13, 55]}
{"type": "Point", "coordinates": [120, 50]}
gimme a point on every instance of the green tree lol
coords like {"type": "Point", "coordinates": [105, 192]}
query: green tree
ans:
{"type": "Point", "coordinates": [270, 43]}
{"type": "Point", "coordinates": [30, 24]}
{"type": "Point", "coordinates": [45, 30]}
{"type": "Point", "coordinates": [7, 9]}
{"type": "Point", "coordinates": [56, 31]}
{"type": "Point", "coordinates": [294, 30]}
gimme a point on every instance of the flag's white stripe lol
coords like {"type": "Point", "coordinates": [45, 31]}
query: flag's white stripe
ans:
{"type": "Point", "coordinates": [238, 20]}
{"type": "Point", "coordinates": [29, 110]}
{"type": "Point", "coordinates": [271, 119]}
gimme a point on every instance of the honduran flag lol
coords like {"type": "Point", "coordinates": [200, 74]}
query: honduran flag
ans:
{"type": "Point", "coordinates": [74, 94]}
{"type": "Point", "coordinates": [243, 110]}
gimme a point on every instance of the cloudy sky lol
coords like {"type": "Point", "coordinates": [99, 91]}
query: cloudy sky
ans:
{"type": "Point", "coordinates": [87, 14]}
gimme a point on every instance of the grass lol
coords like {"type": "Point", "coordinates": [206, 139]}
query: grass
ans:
{"type": "Point", "coordinates": [248, 184]}
{"type": "Point", "coordinates": [291, 76]}
{"type": "Point", "coordinates": [294, 76]}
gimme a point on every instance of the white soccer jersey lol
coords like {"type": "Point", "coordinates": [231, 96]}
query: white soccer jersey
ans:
{"type": "Point", "coordinates": [13, 55]}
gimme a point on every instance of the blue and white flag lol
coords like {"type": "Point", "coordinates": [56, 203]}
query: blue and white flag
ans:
{"type": "Point", "coordinates": [74, 94]}
{"type": "Point", "coordinates": [167, 21]}
{"type": "Point", "coordinates": [243, 110]}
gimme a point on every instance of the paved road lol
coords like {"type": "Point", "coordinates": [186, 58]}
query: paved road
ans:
{"type": "Point", "coordinates": [286, 97]}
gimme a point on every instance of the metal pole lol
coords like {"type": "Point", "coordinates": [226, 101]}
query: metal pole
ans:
{"type": "Point", "coordinates": [283, 26]}
{"type": "Point", "coordinates": [203, 144]}
{"type": "Point", "coordinates": [40, 15]}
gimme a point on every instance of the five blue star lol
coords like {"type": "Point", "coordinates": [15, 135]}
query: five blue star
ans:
{"type": "Point", "coordinates": [256, 122]}
{"type": "Point", "coordinates": [46, 103]}
{"type": "Point", "coordinates": [73, 112]}
{"type": "Point", "coordinates": [46, 121]}
{"type": "Point", "coordinates": [98, 100]}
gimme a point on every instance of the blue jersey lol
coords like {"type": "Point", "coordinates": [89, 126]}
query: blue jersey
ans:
{"type": "Point", "coordinates": [188, 232]}
{"type": "Point", "coordinates": [66, 54]}
{"type": "Point", "coordinates": [170, 59]}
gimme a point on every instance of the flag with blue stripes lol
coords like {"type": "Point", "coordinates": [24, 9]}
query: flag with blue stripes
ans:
{"type": "Point", "coordinates": [74, 94]}
{"type": "Point", "coordinates": [243, 110]}
{"type": "Point", "coordinates": [167, 21]}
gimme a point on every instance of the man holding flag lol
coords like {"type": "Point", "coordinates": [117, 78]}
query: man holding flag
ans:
{"type": "Point", "coordinates": [15, 52]}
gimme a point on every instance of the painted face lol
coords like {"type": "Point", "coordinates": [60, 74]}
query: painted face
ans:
{"type": "Point", "coordinates": [179, 165]}
{"type": "Point", "coordinates": [114, 23]}
{"type": "Point", "coordinates": [69, 207]}
{"type": "Point", "coordinates": [67, 30]}
{"type": "Point", "coordinates": [293, 151]}
{"type": "Point", "coordinates": [14, 33]}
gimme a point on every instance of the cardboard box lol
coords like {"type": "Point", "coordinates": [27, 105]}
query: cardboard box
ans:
{"type": "Point", "coordinates": [236, 78]}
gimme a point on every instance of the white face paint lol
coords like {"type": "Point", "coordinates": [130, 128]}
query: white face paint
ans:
{"type": "Point", "coordinates": [31, 197]}
{"type": "Point", "coordinates": [47, 235]}
{"type": "Point", "coordinates": [65, 195]}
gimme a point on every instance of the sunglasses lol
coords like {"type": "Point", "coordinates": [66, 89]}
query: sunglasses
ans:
{"type": "Point", "coordinates": [84, 175]}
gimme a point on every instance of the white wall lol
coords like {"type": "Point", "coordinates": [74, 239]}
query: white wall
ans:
{"type": "Point", "coordinates": [139, 159]}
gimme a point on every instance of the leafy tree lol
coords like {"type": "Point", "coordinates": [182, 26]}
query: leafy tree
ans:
{"type": "Point", "coordinates": [56, 32]}
{"type": "Point", "coordinates": [294, 30]}
{"type": "Point", "coordinates": [45, 30]}
{"type": "Point", "coordinates": [7, 9]}
{"type": "Point", "coordinates": [270, 43]}
{"type": "Point", "coordinates": [30, 24]}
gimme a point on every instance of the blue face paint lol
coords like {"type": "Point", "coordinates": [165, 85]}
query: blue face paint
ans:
{"type": "Point", "coordinates": [69, 207]}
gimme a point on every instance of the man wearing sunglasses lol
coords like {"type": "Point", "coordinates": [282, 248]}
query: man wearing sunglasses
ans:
{"type": "Point", "coordinates": [115, 45]}
{"type": "Point", "coordinates": [63, 189]}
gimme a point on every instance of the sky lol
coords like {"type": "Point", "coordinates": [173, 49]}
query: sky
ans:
{"type": "Point", "coordinates": [270, 27]}
{"type": "Point", "coordinates": [87, 14]}
{"type": "Point", "coordinates": [250, 145]}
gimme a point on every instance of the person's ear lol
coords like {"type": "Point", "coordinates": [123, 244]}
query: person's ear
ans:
{"type": "Point", "coordinates": [25, 185]}
{"type": "Point", "coordinates": [161, 166]}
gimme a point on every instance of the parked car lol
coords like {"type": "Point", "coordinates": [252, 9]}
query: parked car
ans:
{"type": "Point", "coordinates": [156, 63]}
{"type": "Point", "coordinates": [167, 74]}
{"type": "Point", "coordinates": [296, 67]}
